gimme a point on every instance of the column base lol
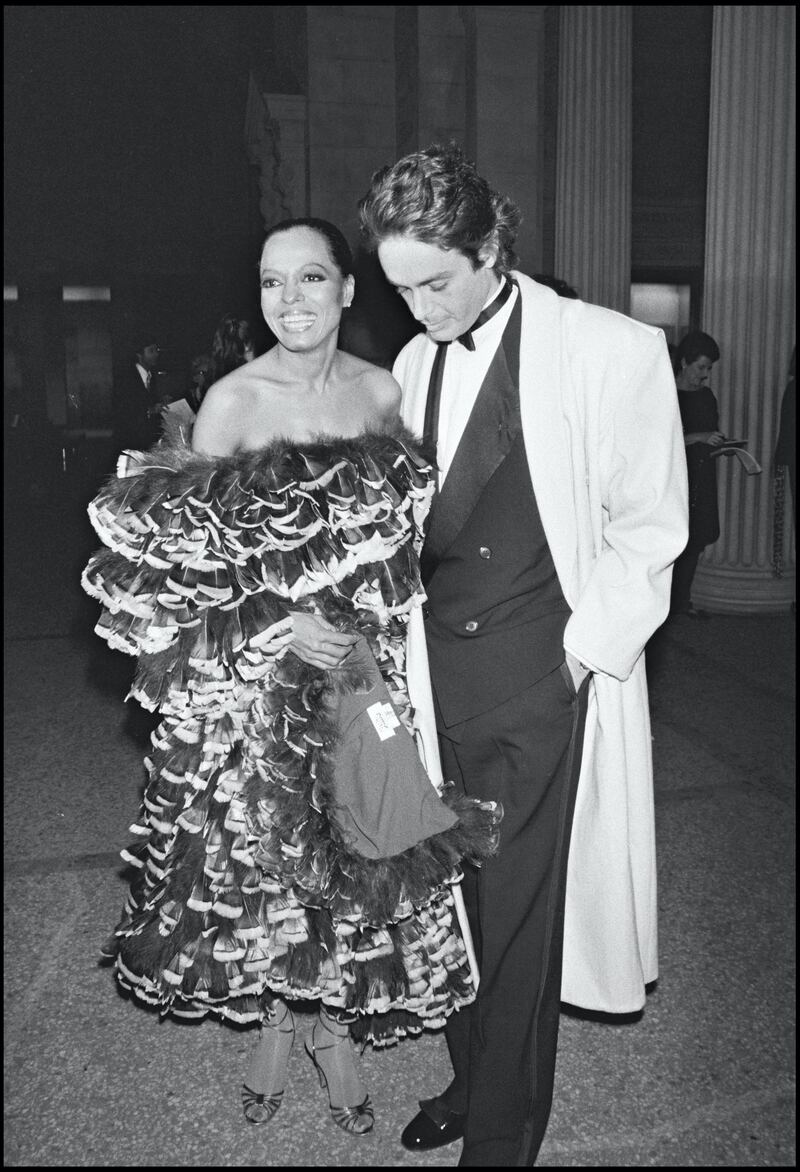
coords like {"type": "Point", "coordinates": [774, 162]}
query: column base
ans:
{"type": "Point", "coordinates": [738, 590]}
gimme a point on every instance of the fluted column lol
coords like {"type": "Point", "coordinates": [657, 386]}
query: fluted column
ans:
{"type": "Point", "coordinates": [593, 162]}
{"type": "Point", "coordinates": [749, 291]}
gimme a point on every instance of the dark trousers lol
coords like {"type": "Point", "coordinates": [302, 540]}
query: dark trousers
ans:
{"type": "Point", "coordinates": [526, 754]}
{"type": "Point", "coordinates": [683, 573]}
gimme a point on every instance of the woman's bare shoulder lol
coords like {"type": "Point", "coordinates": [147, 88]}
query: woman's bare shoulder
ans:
{"type": "Point", "coordinates": [226, 416]}
{"type": "Point", "coordinates": [379, 383]}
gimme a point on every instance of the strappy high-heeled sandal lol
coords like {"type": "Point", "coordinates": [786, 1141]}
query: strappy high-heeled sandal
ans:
{"type": "Point", "coordinates": [277, 1036]}
{"type": "Point", "coordinates": [356, 1120]}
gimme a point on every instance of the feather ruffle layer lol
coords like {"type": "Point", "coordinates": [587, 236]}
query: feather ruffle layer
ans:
{"type": "Point", "coordinates": [247, 884]}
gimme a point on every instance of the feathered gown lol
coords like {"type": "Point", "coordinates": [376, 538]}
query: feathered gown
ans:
{"type": "Point", "coordinates": [287, 843]}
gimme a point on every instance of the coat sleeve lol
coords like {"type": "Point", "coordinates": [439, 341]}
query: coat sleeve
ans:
{"type": "Point", "coordinates": [637, 471]}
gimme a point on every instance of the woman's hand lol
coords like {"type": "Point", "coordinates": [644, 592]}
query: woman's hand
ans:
{"type": "Point", "coordinates": [712, 438]}
{"type": "Point", "coordinates": [317, 642]}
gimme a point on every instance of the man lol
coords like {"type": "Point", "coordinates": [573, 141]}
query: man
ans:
{"type": "Point", "coordinates": [137, 406]}
{"type": "Point", "coordinates": [547, 564]}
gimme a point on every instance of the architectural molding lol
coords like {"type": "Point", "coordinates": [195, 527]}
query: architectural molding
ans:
{"type": "Point", "coordinates": [275, 140]}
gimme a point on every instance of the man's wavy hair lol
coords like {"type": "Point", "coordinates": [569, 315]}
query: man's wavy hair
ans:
{"type": "Point", "coordinates": [438, 197]}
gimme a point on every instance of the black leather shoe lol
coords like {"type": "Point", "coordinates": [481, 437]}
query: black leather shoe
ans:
{"type": "Point", "coordinates": [432, 1127]}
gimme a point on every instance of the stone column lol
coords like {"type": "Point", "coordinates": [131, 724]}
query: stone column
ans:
{"type": "Point", "coordinates": [749, 292]}
{"type": "Point", "coordinates": [593, 155]}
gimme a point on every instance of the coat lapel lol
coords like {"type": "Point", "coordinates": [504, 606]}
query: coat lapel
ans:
{"type": "Point", "coordinates": [487, 439]}
{"type": "Point", "coordinates": [544, 411]}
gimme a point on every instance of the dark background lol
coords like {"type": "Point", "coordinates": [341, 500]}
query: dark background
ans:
{"type": "Point", "coordinates": [125, 161]}
{"type": "Point", "coordinates": [126, 167]}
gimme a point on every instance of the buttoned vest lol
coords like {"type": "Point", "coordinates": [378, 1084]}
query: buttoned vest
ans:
{"type": "Point", "coordinates": [495, 614]}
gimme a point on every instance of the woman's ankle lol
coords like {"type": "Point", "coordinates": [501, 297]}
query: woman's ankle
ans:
{"type": "Point", "coordinates": [334, 1051]}
{"type": "Point", "coordinates": [269, 1057]}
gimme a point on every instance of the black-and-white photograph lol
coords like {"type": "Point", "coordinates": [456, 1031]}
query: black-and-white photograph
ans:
{"type": "Point", "coordinates": [400, 570]}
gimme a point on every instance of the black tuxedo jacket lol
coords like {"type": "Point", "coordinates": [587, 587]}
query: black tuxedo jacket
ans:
{"type": "Point", "coordinates": [135, 425]}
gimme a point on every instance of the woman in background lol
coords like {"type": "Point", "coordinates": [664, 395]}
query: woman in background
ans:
{"type": "Point", "coordinates": [232, 346]}
{"type": "Point", "coordinates": [693, 361]}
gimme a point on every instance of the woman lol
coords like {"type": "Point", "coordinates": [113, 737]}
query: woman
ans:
{"type": "Point", "coordinates": [694, 359]}
{"type": "Point", "coordinates": [231, 346]}
{"type": "Point", "coordinates": [786, 443]}
{"type": "Point", "coordinates": [292, 846]}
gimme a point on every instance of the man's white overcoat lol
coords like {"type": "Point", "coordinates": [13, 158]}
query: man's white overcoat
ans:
{"type": "Point", "coordinates": [607, 461]}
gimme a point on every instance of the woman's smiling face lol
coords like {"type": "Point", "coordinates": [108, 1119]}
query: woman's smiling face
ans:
{"type": "Point", "coordinates": [303, 290]}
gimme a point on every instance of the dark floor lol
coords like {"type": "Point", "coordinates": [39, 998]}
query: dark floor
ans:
{"type": "Point", "coordinates": [705, 1078]}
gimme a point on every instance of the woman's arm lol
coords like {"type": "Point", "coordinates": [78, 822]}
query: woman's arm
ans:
{"type": "Point", "coordinates": [385, 392]}
{"type": "Point", "coordinates": [217, 429]}
{"type": "Point", "coordinates": [713, 438]}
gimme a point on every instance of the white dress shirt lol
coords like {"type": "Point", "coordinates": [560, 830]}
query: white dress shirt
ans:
{"type": "Point", "coordinates": [464, 372]}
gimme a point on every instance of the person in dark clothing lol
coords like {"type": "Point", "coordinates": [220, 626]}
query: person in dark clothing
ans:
{"type": "Point", "coordinates": [231, 347]}
{"type": "Point", "coordinates": [137, 404]}
{"type": "Point", "coordinates": [694, 359]}
{"type": "Point", "coordinates": [786, 446]}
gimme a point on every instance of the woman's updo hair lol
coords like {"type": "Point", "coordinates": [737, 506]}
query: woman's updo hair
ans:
{"type": "Point", "coordinates": [339, 249]}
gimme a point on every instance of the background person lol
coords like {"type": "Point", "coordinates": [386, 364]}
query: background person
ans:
{"type": "Point", "coordinates": [786, 444]}
{"type": "Point", "coordinates": [137, 399]}
{"type": "Point", "coordinates": [694, 358]}
{"type": "Point", "coordinates": [232, 346]}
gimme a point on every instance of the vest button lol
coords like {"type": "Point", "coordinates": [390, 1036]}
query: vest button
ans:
{"type": "Point", "coordinates": [471, 626]}
{"type": "Point", "coordinates": [485, 552]}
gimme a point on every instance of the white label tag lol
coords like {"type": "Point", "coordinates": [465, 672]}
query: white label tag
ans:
{"type": "Point", "coordinates": [384, 719]}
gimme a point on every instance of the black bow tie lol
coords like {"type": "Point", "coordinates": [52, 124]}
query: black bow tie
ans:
{"type": "Point", "coordinates": [502, 297]}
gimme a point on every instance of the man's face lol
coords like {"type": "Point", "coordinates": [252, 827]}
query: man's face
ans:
{"type": "Point", "coordinates": [149, 356]}
{"type": "Point", "coordinates": [440, 286]}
